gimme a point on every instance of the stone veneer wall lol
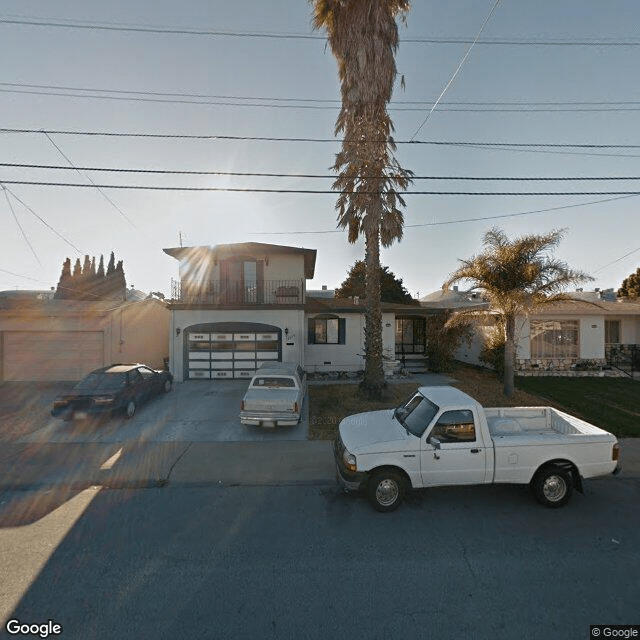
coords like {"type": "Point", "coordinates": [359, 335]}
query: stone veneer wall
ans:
{"type": "Point", "coordinates": [565, 367]}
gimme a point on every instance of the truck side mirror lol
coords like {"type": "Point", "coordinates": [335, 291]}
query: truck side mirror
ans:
{"type": "Point", "coordinates": [434, 441]}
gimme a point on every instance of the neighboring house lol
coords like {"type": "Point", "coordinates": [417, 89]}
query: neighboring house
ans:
{"type": "Point", "coordinates": [238, 306]}
{"type": "Point", "coordinates": [42, 339]}
{"type": "Point", "coordinates": [598, 330]}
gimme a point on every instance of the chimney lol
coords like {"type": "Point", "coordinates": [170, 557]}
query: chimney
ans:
{"type": "Point", "coordinates": [324, 287]}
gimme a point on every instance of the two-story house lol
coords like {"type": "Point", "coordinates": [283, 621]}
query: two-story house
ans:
{"type": "Point", "coordinates": [237, 306]}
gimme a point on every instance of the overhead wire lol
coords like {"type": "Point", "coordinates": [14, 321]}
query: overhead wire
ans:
{"type": "Point", "coordinates": [459, 67]}
{"type": "Point", "coordinates": [183, 136]}
{"type": "Point", "coordinates": [15, 217]}
{"type": "Point", "coordinates": [313, 191]}
{"type": "Point", "coordinates": [104, 195]}
{"type": "Point", "coordinates": [55, 167]}
{"type": "Point", "coordinates": [40, 218]}
{"type": "Point", "coordinates": [193, 31]}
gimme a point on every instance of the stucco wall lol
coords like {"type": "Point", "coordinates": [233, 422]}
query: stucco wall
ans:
{"type": "Point", "coordinates": [348, 356]}
{"type": "Point", "coordinates": [140, 333]}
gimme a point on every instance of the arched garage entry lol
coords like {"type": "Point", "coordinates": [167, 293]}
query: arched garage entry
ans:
{"type": "Point", "coordinates": [229, 349]}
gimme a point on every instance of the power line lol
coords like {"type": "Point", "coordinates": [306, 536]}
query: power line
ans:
{"type": "Point", "coordinates": [15, 217]}
{"type": "Point", "coordinates": [455, 73]}
{"type": "Point", "coordinates": [172, 30]}
{"type": "Point", "coordinates": [307, 175]}
{"type": "Point", "coordinates": [181, 136]}
{"type": "Point", "coordinates": [314, 104]}
{"type": "Point", "coordinates": [42, 220]}
{"type": "Point", "coordinates": [332, 103]}
{"type": "Point", "coordinates": [459, 221]}
{"type": "Point", "coordinates": [104, 195]}
{"type": "Point", "coordinates": [318, 191]}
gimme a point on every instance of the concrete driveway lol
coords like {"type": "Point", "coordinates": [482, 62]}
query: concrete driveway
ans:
{"type": "Point", "coordinates": [194, 411]}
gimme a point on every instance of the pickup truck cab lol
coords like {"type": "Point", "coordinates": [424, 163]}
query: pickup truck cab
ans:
{"type": "Point", "coordinates": [441, 436]}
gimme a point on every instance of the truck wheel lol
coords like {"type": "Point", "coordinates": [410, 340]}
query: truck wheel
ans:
{"type": "Point", "coordinates": [552, 487]}
{"type": "Point", "coordinates": [386, 490]}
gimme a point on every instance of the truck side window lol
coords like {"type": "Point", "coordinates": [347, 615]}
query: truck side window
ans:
{"type": "Point", "coordinates": [455, 426]}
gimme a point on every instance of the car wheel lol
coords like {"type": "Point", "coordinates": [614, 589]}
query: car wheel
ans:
{"type": "Point", "coordinates": [552, 487]}
{"type": "Point", "coordinates": [130, 409]}
{"type": "Point", "coordinates": [166, 386]}
{"type": "Point", "coordinates": [385, 490]}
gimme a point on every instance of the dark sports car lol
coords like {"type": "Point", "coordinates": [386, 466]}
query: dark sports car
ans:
{"type": "Point", "coordinates": [117, 388]}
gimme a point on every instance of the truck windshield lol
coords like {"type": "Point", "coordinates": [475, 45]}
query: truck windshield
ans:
{"type": "Point", "coordinates": [416, 414]}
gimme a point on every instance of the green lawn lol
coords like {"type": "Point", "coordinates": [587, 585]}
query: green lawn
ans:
{"type": "Point", "coordinates": [610, 403]}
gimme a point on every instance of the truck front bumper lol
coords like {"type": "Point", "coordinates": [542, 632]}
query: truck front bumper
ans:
{"type": "Point", "coordinates": [348, 480]}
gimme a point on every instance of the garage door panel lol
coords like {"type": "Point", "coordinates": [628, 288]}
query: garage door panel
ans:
{"type": "Point", "coordinates": [230, 355]}
{"type": "Point", "coordinates": [51, 355]}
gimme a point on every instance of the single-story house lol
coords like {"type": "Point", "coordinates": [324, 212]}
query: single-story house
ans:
{"type": "Point", "coordinates": [237, 306]}
{"type": "Point", "coordinates": [43, 339]}
{"type": "Point", "coordinates": [595, 331]}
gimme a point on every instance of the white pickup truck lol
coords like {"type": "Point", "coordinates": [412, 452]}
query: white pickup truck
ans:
{"type": "Point", "coordinates": [441, 436]}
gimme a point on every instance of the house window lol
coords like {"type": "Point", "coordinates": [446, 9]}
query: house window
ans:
{"type": "Point", "coordinates": [612, 331]}
{"type": "Point", "coordinates": [326, 330]}
{"type": "Point", "coordinates": [555, 338]}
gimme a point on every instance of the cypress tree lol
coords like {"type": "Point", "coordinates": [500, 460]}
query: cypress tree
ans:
{"type": "Point", "coordinates": [63, 290]}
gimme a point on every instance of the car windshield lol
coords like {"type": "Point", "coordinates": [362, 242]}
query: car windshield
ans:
{"type": "Point", "coordinates": [274, 382]}
{"type": "Point", "coordinates": [416, 414]}
{"type": "Point", "coordinates": [102, 382]}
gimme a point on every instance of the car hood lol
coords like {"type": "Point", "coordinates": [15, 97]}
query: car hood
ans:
{"type": "Point", "coordinates": [373, 432]}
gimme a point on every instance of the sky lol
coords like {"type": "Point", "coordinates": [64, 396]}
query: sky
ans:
{"type": "Point", "coordinates": [541, 73]}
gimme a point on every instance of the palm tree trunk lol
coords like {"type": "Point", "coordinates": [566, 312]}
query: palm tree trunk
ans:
{"type": "Point", "coordinates": [509, 354]}
{"type": "Point", "coordinates": [373, 382]}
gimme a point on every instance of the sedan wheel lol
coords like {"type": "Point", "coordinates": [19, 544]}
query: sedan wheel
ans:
{"type": "Point", "coordinates": [166, 387]}
{"type": "Point", "coordinates": [130, 409]}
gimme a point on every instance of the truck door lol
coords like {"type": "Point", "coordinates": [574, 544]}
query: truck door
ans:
{"type": "Point", "coordinates": [452, 451]}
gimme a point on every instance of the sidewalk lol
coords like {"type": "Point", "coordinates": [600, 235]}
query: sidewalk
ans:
{"type": "Point", "coordinates": [156, 464]}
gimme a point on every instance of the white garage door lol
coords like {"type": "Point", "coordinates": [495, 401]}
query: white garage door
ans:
{"type": "Point", "coordinates": [51, 355]}
{"type": "Point", "coordinates": [230, 354]}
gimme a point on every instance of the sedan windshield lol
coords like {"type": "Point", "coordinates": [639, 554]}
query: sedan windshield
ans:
{"type": "Point", "coordinates": [102, 382]}
{"type": "Point", "coordinates": [416, 414]}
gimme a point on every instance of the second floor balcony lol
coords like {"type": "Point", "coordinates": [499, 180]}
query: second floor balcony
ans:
{"type": "Point", "coordinates": [233, 293]}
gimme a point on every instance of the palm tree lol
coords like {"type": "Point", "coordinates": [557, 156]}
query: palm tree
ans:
{"type": "Point", "coordinates": [363, 36]}
{"type": "Point", "coordinates": [515, 276]}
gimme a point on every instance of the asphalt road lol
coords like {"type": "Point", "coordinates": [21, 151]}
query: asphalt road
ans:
{"type": "Point", "coordinates": [312, 562]}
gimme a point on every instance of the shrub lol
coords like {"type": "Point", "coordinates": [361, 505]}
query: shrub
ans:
{"type": "Point", "coordinates": [444, 335]}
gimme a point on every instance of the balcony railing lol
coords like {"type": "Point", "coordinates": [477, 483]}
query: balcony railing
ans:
{"type": "Point", "coordinates": [236, 293]}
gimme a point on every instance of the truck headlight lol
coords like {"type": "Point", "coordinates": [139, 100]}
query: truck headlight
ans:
{"type": "Point", "coordinates": [349, 460]}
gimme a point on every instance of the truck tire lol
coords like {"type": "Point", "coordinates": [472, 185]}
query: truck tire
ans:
{"type": "Point", "coordinates": [386, 489]}
{"type": "Point", "coordinates": [552, 487]}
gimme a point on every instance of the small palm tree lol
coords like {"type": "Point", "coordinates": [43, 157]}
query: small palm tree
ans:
{"type": "Point", "coordinates": [363, 36]}
{"type": "Point", "coordinates": [515, 276]}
